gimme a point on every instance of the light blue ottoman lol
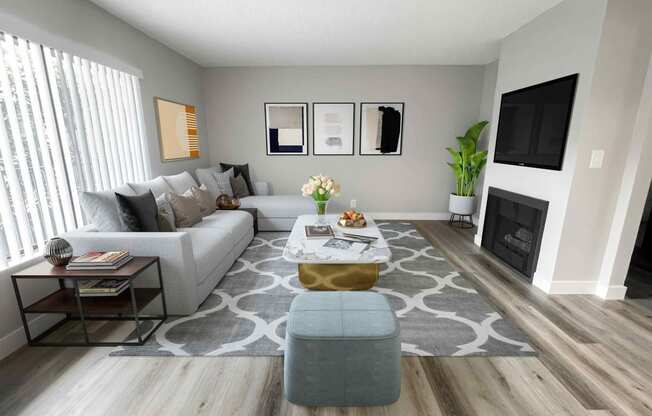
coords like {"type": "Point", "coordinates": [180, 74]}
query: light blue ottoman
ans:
{"type": "Point", "coordinates": [343, 349]}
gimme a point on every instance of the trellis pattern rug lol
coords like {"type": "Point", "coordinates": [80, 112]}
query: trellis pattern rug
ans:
{"type": "Point", "coordinates": [439, 312]}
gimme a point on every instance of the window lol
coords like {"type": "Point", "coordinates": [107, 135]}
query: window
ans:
{"type": "Point", "coordinates": [68, 125]}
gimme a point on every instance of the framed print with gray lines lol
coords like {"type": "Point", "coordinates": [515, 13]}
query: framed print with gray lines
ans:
{"type": "Point", "coordinates": [333, 128]}
{"type": "Point", "coordinates": [286, 128]}
{"type": "Point", "coordinates": [381, 128]}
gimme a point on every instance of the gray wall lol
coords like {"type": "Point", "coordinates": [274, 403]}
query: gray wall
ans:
{"type": "Point", "coordinates": [165, 73]}
{"type": "Point", "coordinates": [440, 103]}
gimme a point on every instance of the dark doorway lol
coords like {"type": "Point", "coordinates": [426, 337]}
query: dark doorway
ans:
{"type": "Point", "coordinates": [639, 276]}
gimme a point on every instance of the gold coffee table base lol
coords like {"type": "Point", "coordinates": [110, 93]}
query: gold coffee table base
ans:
{"type": "Point", "coordinates": [338, 276]}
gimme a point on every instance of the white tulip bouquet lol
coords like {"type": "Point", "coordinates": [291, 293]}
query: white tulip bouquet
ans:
{"type": "Point", "coordinates": [321, 188]}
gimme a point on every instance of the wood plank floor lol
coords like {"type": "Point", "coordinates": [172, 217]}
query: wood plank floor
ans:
{"type": "Point", "coordinates": [595, 360]}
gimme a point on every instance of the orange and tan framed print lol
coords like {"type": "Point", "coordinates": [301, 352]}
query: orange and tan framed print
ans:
{"type": "Point", "coordinates": [177, 129]}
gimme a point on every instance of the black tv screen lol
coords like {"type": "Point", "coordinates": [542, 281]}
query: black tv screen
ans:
{"type": "Point", "coordinates": [533, 124]}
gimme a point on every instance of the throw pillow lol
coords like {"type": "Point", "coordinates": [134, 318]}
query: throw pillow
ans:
{"type": "Point", "coordinates": [101, 208]}
{"type": "Point", "coordinates": [186, 210]}
{"type": "Point", "coordinates": [224, 181]}
{"type": "Point", "coordinates": [203, 198]}
{"type": "Point", "coordinates": [239, 187]}
{"type": "Point", "coordinates": [241, 170]}
{"type": "Point", "coordinates": [165, 214]}
{"type": "Point", "coordinates": [138, 212]}
{"type": "Point", "coordinates": [205, 177]}
{"type": "Point", "coordinates": [181, 182]}
{"type": "Point", "coordinates": [158, 186]}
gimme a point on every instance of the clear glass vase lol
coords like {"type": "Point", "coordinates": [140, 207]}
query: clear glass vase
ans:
{"type": "Point", "coordinates": [322, 208]}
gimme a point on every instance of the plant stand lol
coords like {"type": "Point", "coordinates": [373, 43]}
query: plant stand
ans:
{"type": "Point", "coordinates": [461, 222]}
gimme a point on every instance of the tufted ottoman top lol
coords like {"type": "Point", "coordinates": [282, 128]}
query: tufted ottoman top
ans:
{"type": "Point", "coordinates": [341, 315]}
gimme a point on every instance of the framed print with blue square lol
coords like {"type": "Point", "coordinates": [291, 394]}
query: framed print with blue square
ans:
{"type": "Point", "coordinates": [286, 129]}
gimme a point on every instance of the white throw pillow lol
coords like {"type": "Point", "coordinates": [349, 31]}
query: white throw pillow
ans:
{"type": "Point", "coordinates": [224, 181]}
{"type": "Point", "coordinates": [205, 177]}
{"type": "Point", "coordinates": [101, 208]}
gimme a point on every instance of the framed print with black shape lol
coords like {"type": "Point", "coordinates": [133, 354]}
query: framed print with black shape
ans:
{"type": "Point", "coordinates": [381, 128]}
{"type": "Point", "coordinates": [333, 128]}
{"type": "Point", "coordinates": [286, 130]}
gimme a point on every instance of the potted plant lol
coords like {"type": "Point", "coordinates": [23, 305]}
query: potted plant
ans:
{"type": "Point", "coordinates": [467, 164]}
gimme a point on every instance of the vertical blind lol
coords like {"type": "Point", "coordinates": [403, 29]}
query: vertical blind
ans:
{"type": "Point", "coordinates": [68, 125]}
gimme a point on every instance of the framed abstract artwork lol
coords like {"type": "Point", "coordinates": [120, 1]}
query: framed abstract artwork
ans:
{"type": "Point", "coordinates": [381, 128]}
{"type": "Point", "coordinates": [177, 129]}
{"type": "Point", "coordinates": [286, 129]}
{"type": "Point", "coordinates": [333, 128]}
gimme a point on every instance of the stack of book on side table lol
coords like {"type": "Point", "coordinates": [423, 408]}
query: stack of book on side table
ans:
{"type": "Point", "coordinates": [104, 287]}
{"type": "Point", "coordinates": [100, 260]}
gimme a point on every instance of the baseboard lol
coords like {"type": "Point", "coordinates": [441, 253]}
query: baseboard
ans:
{"type": "Point", "coordinates": [572, 287]}
{"type": "Point", "coordinates": [16, 338]}
{"type": "Point", "coordinates": [615, 292]}
{"type": "Point", "coordinates": [432, 216]}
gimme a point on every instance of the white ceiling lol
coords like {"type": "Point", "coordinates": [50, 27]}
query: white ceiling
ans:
{"type": "Point", "coordinates": [329, 32]}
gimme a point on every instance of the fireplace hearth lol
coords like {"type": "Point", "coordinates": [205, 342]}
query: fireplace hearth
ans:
{"type": "Point", "coordinates": [513, 228]}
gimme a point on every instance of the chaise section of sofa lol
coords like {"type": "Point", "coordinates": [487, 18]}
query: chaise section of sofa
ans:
{"type": "Point", "coordinates": [275, 212]}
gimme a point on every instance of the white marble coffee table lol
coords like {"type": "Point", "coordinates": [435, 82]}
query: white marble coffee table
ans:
{"type": "Point", "coordinates": [321, 269]}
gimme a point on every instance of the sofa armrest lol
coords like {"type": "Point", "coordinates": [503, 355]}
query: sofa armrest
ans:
{"type": "Point", "coordinates": [262, 188]}
{"type": "Point", "coordinates": [178, 268]}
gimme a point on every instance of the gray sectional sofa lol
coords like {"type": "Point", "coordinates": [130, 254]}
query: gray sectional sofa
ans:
{"type": "Point", "coordinates": [193, 260]}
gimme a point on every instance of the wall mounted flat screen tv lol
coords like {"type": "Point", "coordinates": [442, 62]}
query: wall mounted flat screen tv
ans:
{"type": "Point", "coordinates": [533, 124]}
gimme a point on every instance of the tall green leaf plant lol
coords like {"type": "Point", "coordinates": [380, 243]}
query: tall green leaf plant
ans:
{"type": "Point", "coordinates": [467, 161]}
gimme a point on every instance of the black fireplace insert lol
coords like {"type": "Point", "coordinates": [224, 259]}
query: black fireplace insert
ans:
{"type": "Point", "coordinates": [513, 228]}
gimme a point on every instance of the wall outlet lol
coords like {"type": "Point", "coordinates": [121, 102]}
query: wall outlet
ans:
{"type": "Point", "coordinates": [354, 203]}
{"type": "Point", "coordinates": [597, 157]}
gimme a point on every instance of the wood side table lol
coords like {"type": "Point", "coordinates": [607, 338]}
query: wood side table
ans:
{"type": "Point", "coordinates": [126, 306]}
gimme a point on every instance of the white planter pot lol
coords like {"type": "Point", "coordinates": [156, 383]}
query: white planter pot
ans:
{"type": "Point", "coordinates": [462, 205]}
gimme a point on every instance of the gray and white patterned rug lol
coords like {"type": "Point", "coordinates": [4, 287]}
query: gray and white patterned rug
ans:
{"type": "Point", "coordinates": [439, 312]}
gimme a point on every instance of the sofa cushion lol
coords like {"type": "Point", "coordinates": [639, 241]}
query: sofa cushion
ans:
{"type": "Point", "coordinates": [101, 208]}
{"type": "Point", "coordinates": [210, 247]}
{"type": "Point", "coordinates": [205, 177]}
{"type": "Point", "coordinates": [138, 212]}
{"type": "Point", "coordinates": [181, 182]}
{"type": "Point", "coordinates": [158, 186]}
{"type": "Point", "coordinates": [235, 222]}
{"type": "Point", "coordinates": [279, 206]}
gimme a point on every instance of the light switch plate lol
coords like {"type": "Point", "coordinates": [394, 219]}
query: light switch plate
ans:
{"type": "Point", "coordinates": [597, 157]}
{"type": "Point", "coordinates": [354, 203]}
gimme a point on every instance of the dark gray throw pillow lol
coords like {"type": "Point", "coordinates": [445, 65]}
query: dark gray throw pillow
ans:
{"type": "Point", "coordinates": [138, 212]}
{"type": "Point", "coordinates": [240, 170]}
{"type": "Point", "coordinates": [239, 187]}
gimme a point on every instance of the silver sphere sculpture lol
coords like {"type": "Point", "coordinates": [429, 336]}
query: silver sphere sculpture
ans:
{"type": "Point", "coordinates": [58, 251]}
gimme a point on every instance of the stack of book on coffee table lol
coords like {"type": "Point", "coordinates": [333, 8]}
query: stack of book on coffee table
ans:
{"type": "Point", "coordinates": [100, 260]}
